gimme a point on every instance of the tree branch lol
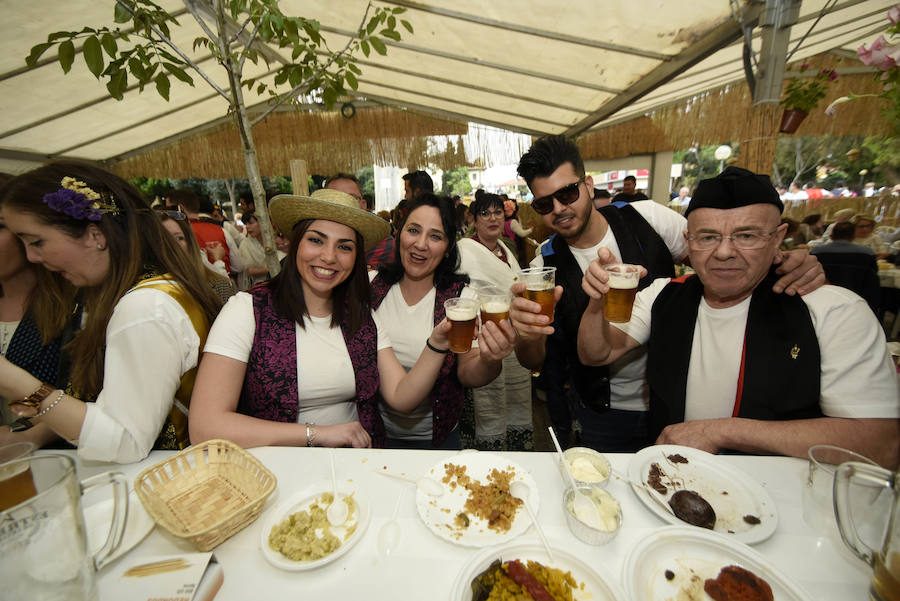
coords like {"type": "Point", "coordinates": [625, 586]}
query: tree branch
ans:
{"type": "Point", "coordinates": [249, 43]}
{"type": "Point", "coordinates": [182, 55]}
{"type": "Point", "coordinates": [293, 91]}
{"type": "Point", "coordinates": [235, 37]}
{"type": "Point", "coordinates": [192, 8]}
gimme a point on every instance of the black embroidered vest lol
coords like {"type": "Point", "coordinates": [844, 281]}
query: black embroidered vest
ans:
{"type": "Point", "coordinates": [781, 366]}
{"type": "Point", "coordinates": [639, 244]}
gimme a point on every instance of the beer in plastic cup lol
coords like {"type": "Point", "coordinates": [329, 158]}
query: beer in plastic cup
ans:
{"type": "Point", "coordinates": [461, 314]}
{"type": "Point", "coordinates": [16, 482]}
{"type": "Point", "coordinates": [623, 282]}
{"type": "Point", "coordinates": [539, 285]}
{"type": "Point", "coordinates": [494, 305]}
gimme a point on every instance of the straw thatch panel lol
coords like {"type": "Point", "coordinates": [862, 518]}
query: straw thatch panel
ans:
{"type": "Point", "coordinates": [726, 114]}
{"type": "Point", "coordinates": [328, 142]}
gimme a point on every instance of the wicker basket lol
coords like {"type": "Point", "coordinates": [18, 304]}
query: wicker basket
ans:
{"type": "Point", "coordinates": [205, 493]}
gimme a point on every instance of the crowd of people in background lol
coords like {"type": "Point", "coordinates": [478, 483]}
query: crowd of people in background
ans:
{"type": "Point", "coordinates": [129, 325]}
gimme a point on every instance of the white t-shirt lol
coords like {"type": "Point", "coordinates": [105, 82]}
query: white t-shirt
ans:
{"type": "Point", "coordinates": [409, 327]}
{"type": "Point", "coordinates": [858, 376]}
{"type": "Point", "coordinates": [326, 381]}
{"type": "Point", "coordinates": [627, 384]}
{"type": "Point", "coordinates": [150, 344]}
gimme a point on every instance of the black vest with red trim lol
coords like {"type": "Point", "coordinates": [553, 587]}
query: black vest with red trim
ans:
{"type": "Point", "coordinates": [639, 244]}
{"type": "Point", "coordinates": [781, 362]}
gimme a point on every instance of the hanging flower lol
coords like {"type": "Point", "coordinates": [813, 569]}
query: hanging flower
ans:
{"type": "Point", "coordinates": [884, 55]}
{"type": "Point", "coordinates": [805, 93]}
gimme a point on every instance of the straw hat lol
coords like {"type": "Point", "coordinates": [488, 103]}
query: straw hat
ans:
{"type": "Point", "coordinates": [332, 205]}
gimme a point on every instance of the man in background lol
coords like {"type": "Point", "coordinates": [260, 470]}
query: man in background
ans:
{"type": "Point", "coordinates": [384, 250]}
{"type": "Point", "coordinates": [629, 191]}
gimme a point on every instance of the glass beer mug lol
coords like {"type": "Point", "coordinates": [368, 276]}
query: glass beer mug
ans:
{"type": "Point", "coordinates": [42, 538]}
{"type": "Point", "coordinates": [885, 561]}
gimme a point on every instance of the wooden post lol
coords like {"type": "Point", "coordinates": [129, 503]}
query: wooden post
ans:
{"type": "Point", "coordinates": [299, 177]}
{"type": "Point", "coordinates": [758, 152]}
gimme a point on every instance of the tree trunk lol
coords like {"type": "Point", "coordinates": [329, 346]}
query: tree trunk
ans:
{"type": "Point", "coordinates": [250, 159]}
{"type": "Point", "coordinates": [229, 187]}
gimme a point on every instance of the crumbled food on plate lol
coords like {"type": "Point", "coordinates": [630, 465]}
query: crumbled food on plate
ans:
{"type": "Point", "coordinates": [669, 574]}
{"type": "Point", "coordinates": [491, 502]}
{"type": "Point", "coordinates": [306, 535]}
{"type": "Point", "coordinates": [654, 479]}
{"type": "Point", "coordinates": [515, 579]}
{"type": "Point", "coordinates": [676, 458]}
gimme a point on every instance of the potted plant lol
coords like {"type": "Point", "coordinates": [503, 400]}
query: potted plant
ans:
{"type": "Point", "coordinates": [884, 55]}
{"type": "Point", "coordinates": [802, 95]}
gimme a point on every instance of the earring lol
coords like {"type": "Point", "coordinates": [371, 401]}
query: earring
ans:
{"type": "Point", "coordinates": [101, 247]}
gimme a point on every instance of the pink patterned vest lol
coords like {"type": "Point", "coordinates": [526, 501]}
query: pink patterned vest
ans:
{"type": "Point", "coordinates": [270, 385]}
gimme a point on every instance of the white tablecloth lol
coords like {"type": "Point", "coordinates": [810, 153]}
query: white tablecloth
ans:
{"type": "Point", "coordinates": [425, 566]}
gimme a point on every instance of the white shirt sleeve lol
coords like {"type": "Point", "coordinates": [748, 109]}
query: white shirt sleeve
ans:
{"type": "Point", "coordinates": [384, 339]}
{"type": "Point", "coordinates": [858, 376]}
{"type": "Point", "coordinates": [538, 260]}
{"type": "Point", "coordinates": [639, 326]}
{"type": "Point", "coordinates": [231, 335]}
{"type": "Point", "coordinates": [234, 256]}
{"type": "Point", "coordinates": [150, 344]}
{"type": "Point", "coordinates": [218, 266]}
{"type": "Point", "coordinates": [669, 224]}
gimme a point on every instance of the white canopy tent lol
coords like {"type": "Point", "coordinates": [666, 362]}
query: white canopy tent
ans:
{"type": "Point", "coordinates": [530, 66]}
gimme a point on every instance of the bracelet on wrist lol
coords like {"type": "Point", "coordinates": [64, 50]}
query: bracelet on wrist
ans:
{"type": "Point", "coordinates": [434, 348]}
{"type": "Point", "coordinates": [35, 399]}
{"type": "Point", "coordinates": [51, 406]}
{"type": "Point", "coordinates": [310, 435]}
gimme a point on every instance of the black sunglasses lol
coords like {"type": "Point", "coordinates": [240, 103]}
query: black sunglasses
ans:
{"type": "Point", "coordinates": [176, 215]}
{"type": "Point", "coordinates": [565, 195]}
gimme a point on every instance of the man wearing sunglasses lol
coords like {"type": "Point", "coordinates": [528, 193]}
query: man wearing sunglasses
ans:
{"type": "Point", "coordinates": [610, 402]}
{"type": "Point", "coordinates": [733, 365]}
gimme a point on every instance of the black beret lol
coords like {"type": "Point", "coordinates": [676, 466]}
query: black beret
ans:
{"type": "Point", "coordinates": [733, 188]}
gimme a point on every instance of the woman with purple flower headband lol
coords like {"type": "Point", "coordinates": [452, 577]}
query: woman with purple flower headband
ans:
{"type": "Point", "coordinates": [147, 305]}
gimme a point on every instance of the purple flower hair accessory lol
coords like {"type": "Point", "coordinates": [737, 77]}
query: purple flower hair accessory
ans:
{"type": "Point", "coordinates": [78, 201]}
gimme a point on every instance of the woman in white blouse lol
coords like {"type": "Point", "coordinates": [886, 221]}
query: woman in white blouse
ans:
{"type": "Point", "coordinates": [502, 407]}
{"type": "Point", "coordinates": [148, 310]}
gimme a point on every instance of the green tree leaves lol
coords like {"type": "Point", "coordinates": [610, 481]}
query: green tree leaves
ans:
{"type": "Point", "coordinates": [66, 55]}
{"type": "Point", "coordinates": [93, 55]}
{"type": "Point", "coordinates": [258, 26]}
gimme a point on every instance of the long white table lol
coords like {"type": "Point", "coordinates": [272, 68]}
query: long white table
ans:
{"type": "Point", "coordinates": [425, 566]}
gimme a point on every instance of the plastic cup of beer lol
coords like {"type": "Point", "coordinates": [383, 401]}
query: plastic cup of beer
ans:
{"type": "Point", "coordinates": [623, 283]}
{"type": "Point", "coordinates": [16, 482]}
{"type": "Point", "coordinates": [461, 313]}
{"type": "Point", "coordinates": [494, 305]}
{"type": "Point", "coordinates": [539, 285]}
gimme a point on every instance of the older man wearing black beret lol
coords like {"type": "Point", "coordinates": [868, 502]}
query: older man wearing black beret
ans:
{"type": "Point", "coordinates": [732, 365]}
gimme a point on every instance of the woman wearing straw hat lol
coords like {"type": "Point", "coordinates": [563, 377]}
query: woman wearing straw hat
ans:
{"type": "Point", "coordinates": [300, 359]}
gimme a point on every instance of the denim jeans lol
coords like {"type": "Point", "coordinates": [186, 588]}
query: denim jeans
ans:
{"type": "Point", "coordinates": [613, 431]}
